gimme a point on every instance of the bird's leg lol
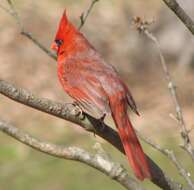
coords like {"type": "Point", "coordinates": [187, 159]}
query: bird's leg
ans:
{"type": "Point", "coordinates": [102, 121]}
{"type": "Point", "coordinates": [103, 116]}
{"type": "Point", "coordinates": [78, 111]}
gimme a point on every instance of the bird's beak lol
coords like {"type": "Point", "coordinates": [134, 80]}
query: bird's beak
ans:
{"type": "Point", "coordinates": [54, 46]}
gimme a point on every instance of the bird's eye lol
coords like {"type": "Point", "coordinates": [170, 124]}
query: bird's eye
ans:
{"type": "Point", "coordinates": [59, 42]}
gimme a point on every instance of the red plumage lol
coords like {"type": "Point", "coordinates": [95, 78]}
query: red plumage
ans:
{"type": "Point", "coordinates": [97, 88]}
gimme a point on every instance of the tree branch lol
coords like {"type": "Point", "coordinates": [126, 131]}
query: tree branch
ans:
{"type": "Point", "coordinates": [97, 161]}
{"type": "Point", "coordinates": [142, 26]}
{"type": "Point", "coordinates": [12, 12]}
{"type": "Point", "coordinates": [85, 15]}
{"type": "Point", "coordinates": [181, 14]}
{"type": "Point", "coordinates": [67, 112]}
{"type": "Point", "coordinates": [171, 156]}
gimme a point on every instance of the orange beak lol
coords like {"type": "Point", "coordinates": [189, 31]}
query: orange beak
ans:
{"type": "Point", "coordinates": [54, 46]}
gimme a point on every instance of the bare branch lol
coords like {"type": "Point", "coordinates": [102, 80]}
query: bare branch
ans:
{"type": "Point", "coordinates": [142, 26]}
{"type": "Point", "coordinates": [109, 168]}
{"type": "Point", "coordinates": [12, 11]}
{"type": "Point", "coordinates": [41, 46]}
{"type": "Point", "coordinates": [6, 10]}
{"type": "Point", "coordinates": [66, 111]}
{"type": "Point", "coordinates": [85, 15]}
{"type": "Point", "coordinates": [181, 14]}
{"type": "Point", "coordinates": [170, 154]}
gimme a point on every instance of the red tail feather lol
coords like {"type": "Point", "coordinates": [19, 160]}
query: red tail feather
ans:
{"type": "Point", "coordinates": [132, 147]}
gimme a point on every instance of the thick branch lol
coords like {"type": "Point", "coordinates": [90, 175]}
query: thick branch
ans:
{"type": "Point", "coordinates": [181, 14]}
{"type": "Point", "coordinates": [66, 111]}
{"type": "Point", "coordinates": [109, 168]}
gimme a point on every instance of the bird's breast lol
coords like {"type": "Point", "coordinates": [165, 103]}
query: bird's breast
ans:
{"type": "Point", "coordinates": [62, 71]}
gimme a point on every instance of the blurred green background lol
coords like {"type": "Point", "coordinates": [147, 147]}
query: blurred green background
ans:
{"type": "Point", "coordinates": [110, 30]}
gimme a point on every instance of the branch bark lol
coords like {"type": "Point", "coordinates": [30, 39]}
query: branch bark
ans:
{"type": "Point", "coordinates": [114, 170]}
{"type": "Point", "coordinates": [67, 112]}
{"type": "Point", "coordinates": [181, 14]}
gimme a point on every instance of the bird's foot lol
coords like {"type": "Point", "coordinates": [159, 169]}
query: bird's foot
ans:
{"type": "Point", "coordinates": [77, 110]}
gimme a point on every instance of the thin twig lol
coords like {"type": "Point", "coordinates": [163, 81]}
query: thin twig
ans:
{"type": "Point", "coordinates": [66, 111]}
{"type": "Point", "coordinates": [6, 9]}
{"type": "Point", "coordinates": [181, 14]}
{"type": "Point", "coordinates": [97, 161]}
{"type": "Point", "coordinates": [12, 12]}
{"type": "Point", "coordinates": [142, 26]}
{"type": "Point", "coordinates": [41, 46]}
{"type": "Point", "coordinates": [15, 14]}
{"type": "Point", "coordinates": [170, 154]}
{"type": "Point", "coordinates": [85, 15]}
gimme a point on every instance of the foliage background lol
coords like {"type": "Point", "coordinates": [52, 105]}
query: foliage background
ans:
{"type": "Point", "coordinates": [110, 30]}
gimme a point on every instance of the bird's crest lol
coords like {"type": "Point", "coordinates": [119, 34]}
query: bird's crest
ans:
{"type": "Point", "coordinates": [65, 28]}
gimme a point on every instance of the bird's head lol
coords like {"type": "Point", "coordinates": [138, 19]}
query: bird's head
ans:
{"type": "Point", "coordinates": [64, 35]}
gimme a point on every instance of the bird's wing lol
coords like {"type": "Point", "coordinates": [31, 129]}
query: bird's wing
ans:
{"type": "Point", "coordinates": [85, 88]}
{"type": "Point", "coordinates": [130, 99]}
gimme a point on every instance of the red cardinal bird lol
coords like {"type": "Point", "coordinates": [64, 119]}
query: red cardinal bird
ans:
{"type": "Point", "coordinates": [97, 88]}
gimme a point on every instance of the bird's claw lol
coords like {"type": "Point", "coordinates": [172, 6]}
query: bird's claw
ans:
{"type": "Point", "coordinates": [78, 112]}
